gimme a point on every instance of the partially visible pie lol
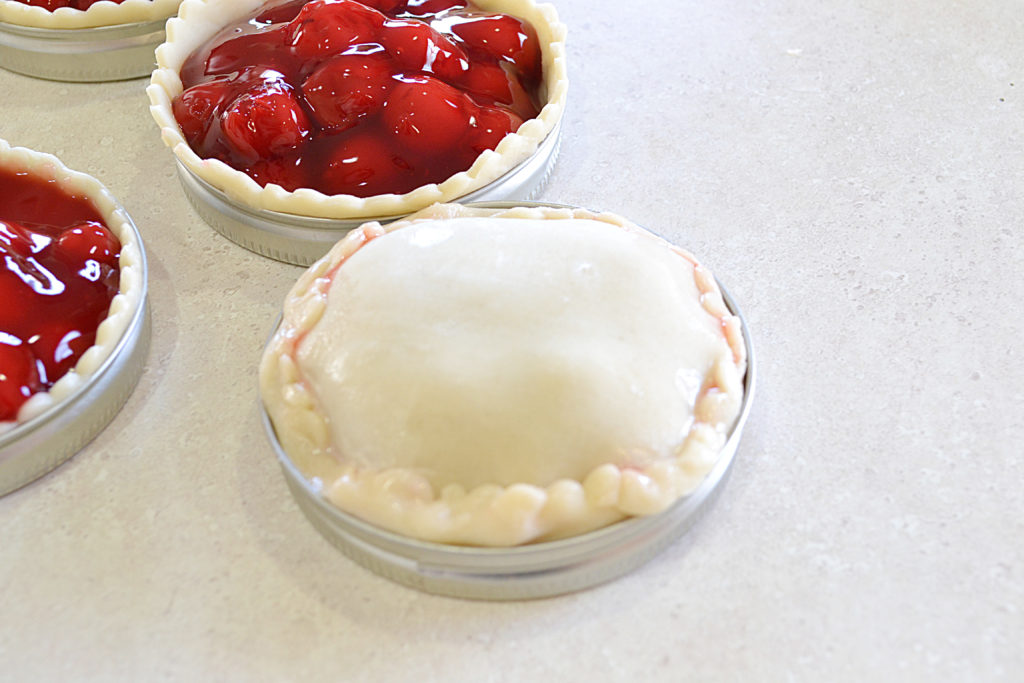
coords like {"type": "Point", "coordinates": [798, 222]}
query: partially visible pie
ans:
{"type": "Point", "coordinates": [352, 109]}
{"type": "Point", "coordinates": [70, 281]}
{"type": "Point", "coordinates": [76, 14]}
{"type": "Point", "coordinates": [498, 377]}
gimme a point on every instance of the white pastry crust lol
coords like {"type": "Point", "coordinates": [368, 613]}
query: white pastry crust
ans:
{"type": "Point", "coordinates": [461, 506]}
{"type": "Point", "coordinates": [199, 20]}
{"type": "Point", "coordinates": [130, 289]}
{"type": "Point", "coordinates": [99, 14]}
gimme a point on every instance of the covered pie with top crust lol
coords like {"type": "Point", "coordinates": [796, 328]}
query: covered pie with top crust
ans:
{"type": "Point", "coordinates": [498, 377]}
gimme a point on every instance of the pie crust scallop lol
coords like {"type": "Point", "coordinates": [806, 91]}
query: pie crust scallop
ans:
{"type": "Point", "coordinates": [199, 20]}
{"type": "Point", "coordinates": [131, 285]}
{"type": "Point", "coordinates": [99, 14]}
{"type": "Point", "coordinates": [404, 500]}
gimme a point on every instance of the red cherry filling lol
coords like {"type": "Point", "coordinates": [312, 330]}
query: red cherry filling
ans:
{"type": "Point", "coordinates": [58, 274]}
{"type": "Point", "coordinates": [346, 88]}
{"type": "Point", "coordinates": [502, 36]}
{"type": "Point", "coordinates": [415, 46]}
{"type": "Point", "coordinates": [426, 115]}
{"type": "Point", "coordinates": [422, 8]}
{"type": "Point", "coordinates": [361, 98]}
{"type": "Point", "coordinates": [265, 122]}
{"type": "Point", "coordinates": [52, 5]}
{"type": "Point", "coordinates": [324, 28]}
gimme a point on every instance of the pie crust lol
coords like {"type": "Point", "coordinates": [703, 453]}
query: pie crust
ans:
{"type": "Point", "coordinates": [131, 285]}
{"type": "Point", "coordinates": [199, 20]}
{"type": "Point", "coordinates": [99, 14]}
{"type": "Point", "coordinates": [497, 377]}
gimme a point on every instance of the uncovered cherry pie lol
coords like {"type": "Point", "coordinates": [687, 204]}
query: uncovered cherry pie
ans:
{"type": "Point", "coordinates": [69, 281]}
{"type": "Point", "coordinates": [497, 377]}
{"type": "Point", "coordinates": [75, 14]}
{"type": "Point", "coordinates": [346, 108]}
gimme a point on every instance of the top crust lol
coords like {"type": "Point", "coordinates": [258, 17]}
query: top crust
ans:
{"type": "Point", "coordinates": [99, 14]}
{"type": "Point", "coordinates": [199, 20]}
{"type": "Point", "coordinates": [131, 286]}
{"type": "Point", "coordinates": [459, 505]}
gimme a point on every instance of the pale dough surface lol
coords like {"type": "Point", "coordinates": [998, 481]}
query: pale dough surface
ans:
{"type": "Point", "coordinates": [480, 356]}
{"type": "Point", "coordinates": [492, 378]}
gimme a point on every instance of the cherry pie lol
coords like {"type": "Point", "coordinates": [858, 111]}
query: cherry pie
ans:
{"type": "Point", "coordinates": [70, 280]}
{"type": "Point", "coordinates": [341, 108]}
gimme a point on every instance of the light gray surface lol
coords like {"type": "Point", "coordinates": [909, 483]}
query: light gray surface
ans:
{"type": "Point", "coordinates": [851, 172]}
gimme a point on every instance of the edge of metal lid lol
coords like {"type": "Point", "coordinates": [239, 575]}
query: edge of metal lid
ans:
{"type": "Point", "coordinates": [301, 240]}
{"type": "Point", "coordinates": [102, 53]}
{"type": "Point", "coordinates": [39, 445]}
{"type": "Point", "coordinates": [523, 572]}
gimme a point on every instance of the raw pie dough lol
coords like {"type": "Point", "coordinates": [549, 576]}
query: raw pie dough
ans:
{"type": "Point", "coordinates": [100, 14]}
{"type": "Point", "coordinates": [199, 20]}
{"type": "Point", "coordinates": [131, 284]}
{"type": "Point", "coordinates": [485, 377]}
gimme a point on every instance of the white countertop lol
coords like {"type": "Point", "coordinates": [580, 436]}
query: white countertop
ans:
{"type": "Point", "coordinates": [851, 171]}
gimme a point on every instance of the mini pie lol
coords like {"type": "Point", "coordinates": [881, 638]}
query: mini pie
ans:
{"type": "Point", "coordinates": [70, 281]}
{"type": "Point", "coordinates": [345, 109]}
{"type": "Point", "coordinates": [498, 377]}
{"type": "Point", "coordinates": [76, 14]}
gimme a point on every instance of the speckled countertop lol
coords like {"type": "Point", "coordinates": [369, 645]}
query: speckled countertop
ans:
{"type": "Point", "coordinates": [851, 171]}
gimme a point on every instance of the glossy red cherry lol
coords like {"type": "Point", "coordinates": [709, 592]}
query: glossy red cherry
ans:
{"type": "Point", "coordinates": [427, 7]}
{"type": "Point", "coordinates": [288, 172]}
{"type": "Point", "coordinates": [52, 5]}
{"type": "Point", "coordinates": [418, 47]}
{"type": "Point", "coordinates": [488, 80]}
{"type": "Point", "coordinates": [346, 88]}
{"type": "Point", "coordinates": [427, 115]}
{"type": "Point", "coordinates": [49, 5]}
{"type": "Point", "coordinates": [324, 28]}
{"type": "Point", "coordinates": [18, 376]}
{"type": "Point", "coordinates": [266, 49]}
{"type": "Point", "coordinates": [280, 14]}
{"type": "Point", "coordinates": [264, 122]}
{"type": "Point", "coordinates": [503, 37]}
{"type": "Point", "coordinates": [197, 108]}
{"type": "Point", "coordinates": [490, 125]}
{"type": "Point", "coordinates": [57, 346]}
{"type": "Point", "coordinates": [359, 164]}
{"type": "Point", "coordinates": [89, 241]}
{"type": "Point", "coordinates": [386, 6]}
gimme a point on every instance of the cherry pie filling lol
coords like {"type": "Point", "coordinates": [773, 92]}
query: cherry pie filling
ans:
{"type": "Point", "coordinates": [359, 98]}
{"type": "Point", "coordinates": [52, 5]}
{"type": "Point", "coordinates": [59, 271]}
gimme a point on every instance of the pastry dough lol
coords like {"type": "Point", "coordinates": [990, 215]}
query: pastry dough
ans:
{"type": "Point", "coordinates": [495, 377]}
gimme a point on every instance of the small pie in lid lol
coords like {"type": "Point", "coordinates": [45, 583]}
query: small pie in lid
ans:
{"type": "Point", "coordinates": [499, 377]}
{"type": "Point", "coordinates": [71, 281]}
{"type": "Point", "coordinates": [79, 14]}
{"type": "Point", "coordinates": [346, 109]}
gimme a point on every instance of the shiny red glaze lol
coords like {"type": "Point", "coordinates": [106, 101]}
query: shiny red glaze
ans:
{"type": "Point", "coordinates": [57, 4]}
{"type": "Point", "coordinates": [58, 274]}
{"type": "Point", "coordinates": [383, 95]}
{"type": "Point", "coordinates": [346, 88]}
{"type": "Point", "coordinates": [265, 121]}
